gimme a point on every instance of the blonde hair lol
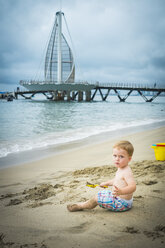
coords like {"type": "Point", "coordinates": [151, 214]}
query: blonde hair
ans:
{"type": "Point", "coordinates": [125, 145]}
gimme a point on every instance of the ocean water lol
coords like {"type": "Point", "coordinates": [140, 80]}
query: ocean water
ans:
{"type": "Point", "coordinates": [32, 125]}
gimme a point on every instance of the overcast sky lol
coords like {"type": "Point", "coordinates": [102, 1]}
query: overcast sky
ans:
{"type": "Point", "coordinates": [114, 40]}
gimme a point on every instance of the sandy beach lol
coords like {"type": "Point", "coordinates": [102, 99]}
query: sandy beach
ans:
{"type": "Point", "coordinates": [34, 196]}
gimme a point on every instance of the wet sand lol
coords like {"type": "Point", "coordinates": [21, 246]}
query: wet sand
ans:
{"type": "Point", "coordinates": [34, 196]}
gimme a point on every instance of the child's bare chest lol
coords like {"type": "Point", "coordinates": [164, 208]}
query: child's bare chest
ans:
{"type": "Point", "coordinates": [119, 180]}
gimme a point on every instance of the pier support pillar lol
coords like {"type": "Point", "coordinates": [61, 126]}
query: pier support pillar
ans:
{"type": "Point", "coordinates": [61, 95]}
{"type": "Point", "coordinates": [73, 95]}
{"type": "Point", "coordinates": [16, 95]}
{"type": "Point", "coordinates": [55, 95]}
{"type": "Point", "coordinates": [58, 95]}
{"type": "Point", "coordinates": [68, 95]}
{"type": "Point", "coordinates": [88, 96]}
{"type": "Point", "coordinates": [80, 96]}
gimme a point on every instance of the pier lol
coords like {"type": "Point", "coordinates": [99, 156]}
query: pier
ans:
{"type": "Point", "coordinates": [85, 91]}
{"type": "Point", "coordinates": [59, 76]}
{"type": "Point", "coordinates": [130, 88]}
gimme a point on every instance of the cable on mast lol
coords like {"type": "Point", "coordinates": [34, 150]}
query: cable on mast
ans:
{"type": "Point", "coordinates": [73, 46]}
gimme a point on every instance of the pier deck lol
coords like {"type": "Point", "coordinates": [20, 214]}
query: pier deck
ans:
{"type": "Point", "coordinates": [77, 91]}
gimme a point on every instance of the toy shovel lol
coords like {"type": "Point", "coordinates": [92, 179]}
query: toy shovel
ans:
{"type": "Point", "coordinates": [94, 185]}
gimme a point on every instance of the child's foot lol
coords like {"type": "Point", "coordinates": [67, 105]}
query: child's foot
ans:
{"type": "Point", "coordinates": [74, 207]}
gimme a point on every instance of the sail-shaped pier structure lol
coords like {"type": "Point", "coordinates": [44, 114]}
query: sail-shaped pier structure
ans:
{"type": "Point", "coordinates": [59, 76]}
{"type": "Point", "coordinates": [59, 64]}
{"type": "Point", "coordinates": [59, 71]}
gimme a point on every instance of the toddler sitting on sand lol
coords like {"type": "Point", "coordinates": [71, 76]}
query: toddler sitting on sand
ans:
{"type": "Point", "coordinates": [121, 196]}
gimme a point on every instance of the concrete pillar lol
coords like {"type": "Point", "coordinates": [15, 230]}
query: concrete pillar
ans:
{"type": "Point", "coordinates": [58, 95]}
{"type": "Point", "coordinates": [68, 95]}
{"type": "Point", "coordinates": [73, 95]}
{"type": "Point", "coordinates": [55, 95]}
{"type": "Point", "coordinates": [88, 96]}
{"type": "Point", "coordinates": [61, 96]}
{"type": "Point", "coordinates": [80, 96]}
{"type": "Point", "coordinates": [16, 95]}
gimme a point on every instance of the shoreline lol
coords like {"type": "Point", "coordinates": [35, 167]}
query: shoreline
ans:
{"type": "Point", "coordinates": [87, 155]}
{"type": "Point", "coordinates": [16, 159]}
{"type": "Point", "coordinates": [34, 196]}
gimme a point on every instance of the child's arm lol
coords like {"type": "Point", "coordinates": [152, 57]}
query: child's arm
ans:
{"type": "Point", "coordinates": [124, 191]}
{"type": "Point", "coordinates": [108, 183]}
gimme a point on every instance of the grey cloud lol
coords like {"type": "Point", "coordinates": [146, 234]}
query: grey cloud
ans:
{"type": "Point", "coordinates": [159, 62]}
{"type": "Point", "coordinates": [114, 39]}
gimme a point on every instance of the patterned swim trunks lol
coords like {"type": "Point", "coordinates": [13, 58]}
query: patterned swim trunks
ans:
{"type": "Point", "coordinates": [116, 204]}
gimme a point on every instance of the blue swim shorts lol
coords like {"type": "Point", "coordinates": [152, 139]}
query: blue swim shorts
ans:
{"type": "Point", "coordinates": [116, 204]}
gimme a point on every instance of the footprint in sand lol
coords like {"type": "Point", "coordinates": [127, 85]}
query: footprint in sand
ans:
{"type": "Point", "coordinates": [14, 202]}
{"type": "Point", "coordinates": [9, 195]}
{"type": "Point", "coordinates": [158, 232]}
{"type": "Point", "coordinates": [157, 191]}
{"type": "Point", "coordinates": [79, 229]}
{"type": "Point", "coordinates": [131, 229]}
{"type": "Point", "coordinates": [150, 182]}
{"type": "Point", "coordinates": [153, 235]}
{"type": "Point", "coordinates": [160, 228]}
{"type": "Point", "coordinates": [138, 197]}
{"type": "Point", "coordinates": [39, 204]}
{"type": "Point", "coordinates": [4, 243]}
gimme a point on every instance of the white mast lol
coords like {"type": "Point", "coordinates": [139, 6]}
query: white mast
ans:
{"type": "Point", "coordinates": [59, 63]}
{"type": "Point", "coordinates": [59, 70]}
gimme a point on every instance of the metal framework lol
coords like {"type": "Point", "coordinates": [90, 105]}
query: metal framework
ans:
{"type": "Point", "coordinates": [60, 82]}
{"type": "Point", "coordinates": [118, 88]}
{"type": "Point", "coordinates": [59, 64]}
{"type": "Point", "coordinates": [72, 91]}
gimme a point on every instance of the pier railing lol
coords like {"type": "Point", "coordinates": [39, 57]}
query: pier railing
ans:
{"type": "Point", "coordinates": [120, 88]}
{"type": "Point", "coordinates": [129, 86]}
{"type": "Point", "coordinates": [75, 91]}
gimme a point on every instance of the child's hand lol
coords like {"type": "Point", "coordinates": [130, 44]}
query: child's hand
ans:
{"type": "Point", "coordinates": [102, 185]}
{"type": "Point", "coordinates": [116, 191]}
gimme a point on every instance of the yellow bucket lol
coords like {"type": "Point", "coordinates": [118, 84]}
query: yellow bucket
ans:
{"type": "Point", "coordinates": [159, 150]}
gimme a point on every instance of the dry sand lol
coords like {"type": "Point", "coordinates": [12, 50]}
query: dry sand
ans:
{"type": "Point", "coordinates": [34, 196]}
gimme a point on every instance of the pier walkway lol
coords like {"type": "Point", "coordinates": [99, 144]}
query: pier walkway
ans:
{"type": "Point", "coordinates": [88, 92]}
{"type": "Point", "coordinates": [123, 91]}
